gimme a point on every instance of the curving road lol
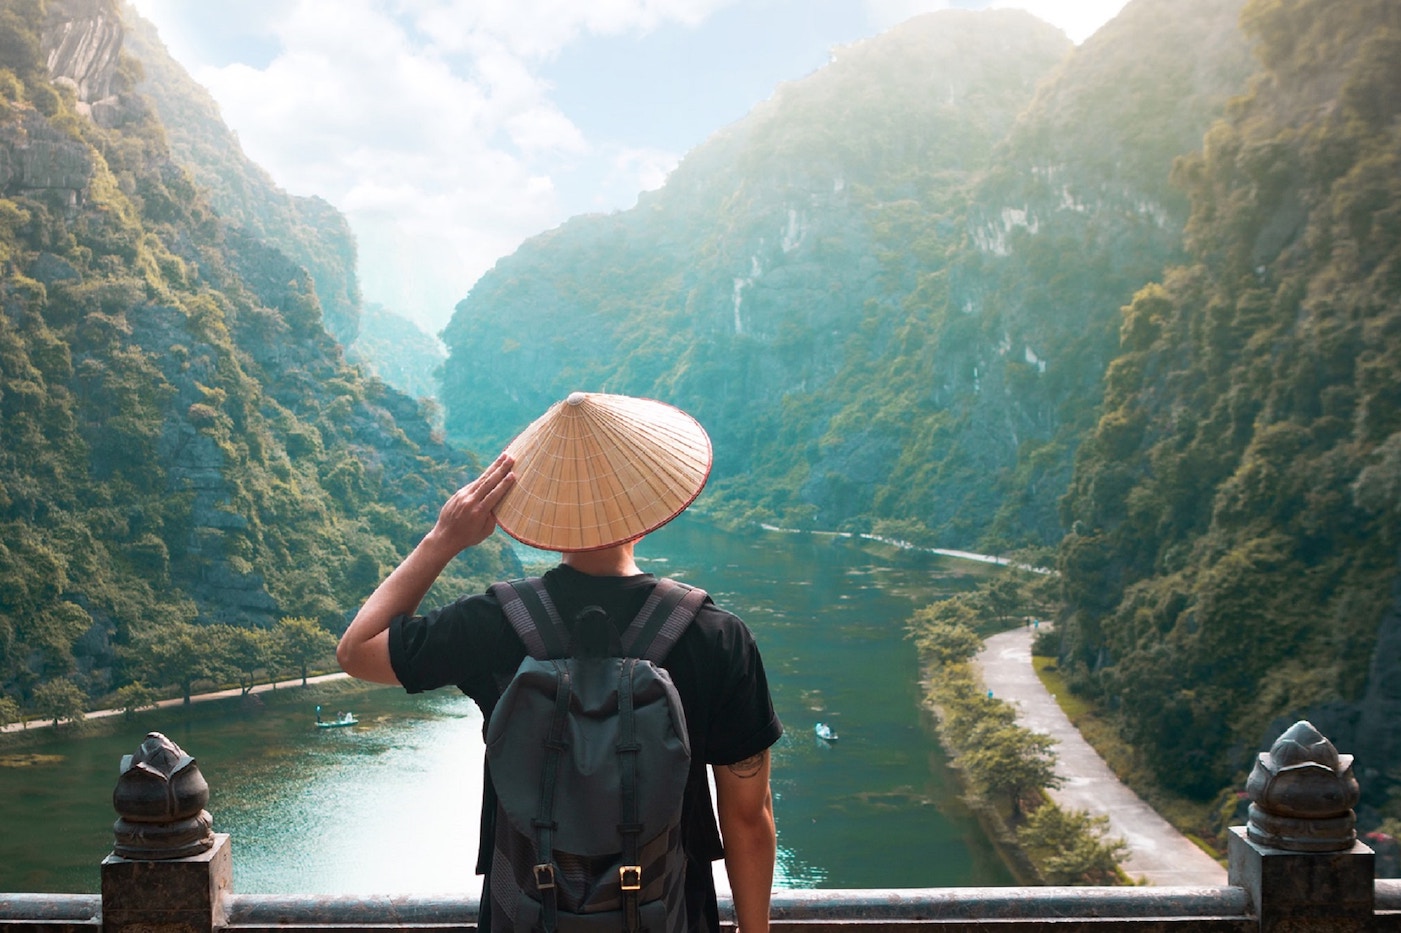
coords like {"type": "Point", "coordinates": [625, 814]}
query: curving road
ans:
{"type": "Point", "coordinates": [1159, 854]}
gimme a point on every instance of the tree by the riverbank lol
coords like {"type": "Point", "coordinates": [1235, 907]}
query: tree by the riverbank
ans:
{"type": "Point", "coordinates": [182, 659]}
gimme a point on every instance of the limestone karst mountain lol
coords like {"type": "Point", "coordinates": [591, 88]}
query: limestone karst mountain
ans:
{"type": "Point", "coordinates": [891, 290]}
{"type": "Point", "coordinates": [181, 440]}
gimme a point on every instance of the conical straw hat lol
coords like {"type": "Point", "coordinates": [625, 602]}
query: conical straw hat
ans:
{"type": "Point", "coordinates": [597, 470]}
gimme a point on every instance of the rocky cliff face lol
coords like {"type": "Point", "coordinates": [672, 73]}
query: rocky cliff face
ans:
{"type": "Point", "coordinates": [1075, 214]}
{"type": "Point", "coordinates": [742, 281]}
{"type": "Point", "coordinates": [81, 41]}
{"type": "Point", "coordinates": [1232, 557]}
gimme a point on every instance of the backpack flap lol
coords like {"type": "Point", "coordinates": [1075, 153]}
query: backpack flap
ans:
{"type": "Point", "coordinates": [518, 747]}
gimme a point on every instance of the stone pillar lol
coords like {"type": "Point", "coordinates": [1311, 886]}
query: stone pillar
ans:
{"type": "Point", "coordinates": [168, 871]}
{"type": "Point", "coordinates": [1298, 857]}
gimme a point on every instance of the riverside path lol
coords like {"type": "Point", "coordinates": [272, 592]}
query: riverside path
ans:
{"type": "Point", "coordinates": [1158, 853]}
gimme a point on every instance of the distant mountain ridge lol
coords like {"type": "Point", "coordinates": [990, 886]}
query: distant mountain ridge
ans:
{"type": "Point", "coordinates": [307, 229]}
{"type": "Point", "coordinates": [900, 274]}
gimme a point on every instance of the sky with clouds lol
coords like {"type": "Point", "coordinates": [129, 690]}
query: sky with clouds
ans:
{"type": "Point", "coordinates": [449, 131]}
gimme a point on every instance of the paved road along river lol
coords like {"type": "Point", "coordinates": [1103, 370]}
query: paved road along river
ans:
{"type": "Point", "coordinates": [1159, 854]}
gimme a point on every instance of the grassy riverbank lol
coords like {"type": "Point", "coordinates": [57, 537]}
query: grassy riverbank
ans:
{"type": "Point", "coordinates": [330, 691]}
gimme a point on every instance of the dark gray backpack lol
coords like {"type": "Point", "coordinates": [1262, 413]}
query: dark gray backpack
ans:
{"type": "Point", "coordinates": [589, 756]}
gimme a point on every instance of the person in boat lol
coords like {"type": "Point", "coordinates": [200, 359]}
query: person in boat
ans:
{"type": "Point", "coordinates": [715, 665]}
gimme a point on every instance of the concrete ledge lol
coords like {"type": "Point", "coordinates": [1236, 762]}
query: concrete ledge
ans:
{"type": "Point", "coordinates": [1009, 910]}
{"type": "Point", "coordinates": [1039, 903]}
{"type": "Point", "coordinates": [1142, 909]}
{"type": "Point", "coordinates": [253, 913]}
{"type": "Point", "coordinates": [51, 913]}
{"type": "Point", "coordinates": [1388, 905]}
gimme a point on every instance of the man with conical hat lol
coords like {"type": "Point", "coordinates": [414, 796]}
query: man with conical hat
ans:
{"type": "Point", "coordinates": [588, 479]}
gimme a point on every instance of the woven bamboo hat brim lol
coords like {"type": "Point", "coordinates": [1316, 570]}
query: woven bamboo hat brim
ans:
{"type": "Point", "coordinates": [597, 470]}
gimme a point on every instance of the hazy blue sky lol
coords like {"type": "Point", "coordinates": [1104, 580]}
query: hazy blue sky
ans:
{"type": "Point", "coordinates": [448, 131]}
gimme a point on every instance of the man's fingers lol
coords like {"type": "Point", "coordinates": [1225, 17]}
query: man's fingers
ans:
{"type": "Point", "coordinates": [494, 495]}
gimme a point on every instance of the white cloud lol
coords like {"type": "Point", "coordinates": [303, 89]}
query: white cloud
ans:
{"type": "Point", "coordinates": [426, 122]}
{"type": "Point", "coordinates": [537, 29]}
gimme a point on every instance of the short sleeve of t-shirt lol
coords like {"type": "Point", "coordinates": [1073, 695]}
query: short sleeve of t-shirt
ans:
{"type": "Point", "coordinates": [740, 721]}
{"type": "Point", "coordinates": [455, 645]}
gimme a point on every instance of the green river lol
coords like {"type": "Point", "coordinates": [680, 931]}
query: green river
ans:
{"type": "Point", "coordinates": [390, 805]}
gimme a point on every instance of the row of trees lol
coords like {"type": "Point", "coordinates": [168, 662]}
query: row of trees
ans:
{"type": "Point", "coordinates": [1007, 768]}
{"type": "Point", "coordinates": [173, 660]}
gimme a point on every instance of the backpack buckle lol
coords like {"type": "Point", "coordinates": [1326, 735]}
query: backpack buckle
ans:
{"type": "Point", "coordinates": [630, 877]}
{"type": "Point", "coordinates": [545, 877]}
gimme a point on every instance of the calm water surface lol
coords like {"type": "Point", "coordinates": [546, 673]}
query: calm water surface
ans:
{"type": "Point", "coordinates": [391, 805]}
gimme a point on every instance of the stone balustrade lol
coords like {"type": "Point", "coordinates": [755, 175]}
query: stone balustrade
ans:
{"type": "Point", "coordinates": [1295, 866]}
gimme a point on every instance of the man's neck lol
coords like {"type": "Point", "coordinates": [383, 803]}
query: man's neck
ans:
{"type": "Point", "coordinates": [616, 561]}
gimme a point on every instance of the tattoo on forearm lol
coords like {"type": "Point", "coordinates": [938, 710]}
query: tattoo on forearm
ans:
{"type": "Point", "coordinates": [748, 767]}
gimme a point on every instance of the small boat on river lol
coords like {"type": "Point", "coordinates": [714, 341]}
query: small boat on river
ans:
{"type": "Point", "coordinates": [824, 732]}
{"type": "Point", "coordinates": [342, 720]}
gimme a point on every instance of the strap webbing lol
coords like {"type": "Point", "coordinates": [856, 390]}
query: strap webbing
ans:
{"type": "Point", "coordinates": [531, 612]}
{"type": "Point", "coordinates": [630, 879]}
{"type": "Point", "coordinates": [545, 817]}
{"type": "Point", "coordinates": [668, 610]}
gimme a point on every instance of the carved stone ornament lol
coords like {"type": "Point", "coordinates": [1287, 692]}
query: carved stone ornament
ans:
{"type": "Point", "coordinates": [160, 798]}
{"type": "Point", "coordinates": [1302, 793]}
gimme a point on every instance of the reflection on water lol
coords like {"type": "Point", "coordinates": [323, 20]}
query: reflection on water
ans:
{"type": "Point", "coordinates": [390, 805]}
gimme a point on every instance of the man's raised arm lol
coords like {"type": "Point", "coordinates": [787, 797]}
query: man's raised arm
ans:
{"type": "Point", "coordinates": [464, 521]}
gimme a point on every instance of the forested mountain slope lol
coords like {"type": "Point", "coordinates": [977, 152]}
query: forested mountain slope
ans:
{"type": "Point", "coordinates": [311, 232]}
{"type": "Point", "coordinates": [1235, 516]}
{"type": "Point", "coordinates": [890, 291]}
{"type": "Point", "coordinates": [180, 438]}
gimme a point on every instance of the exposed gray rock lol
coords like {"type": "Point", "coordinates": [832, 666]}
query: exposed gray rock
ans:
{"type": "Point", "coordinates": [81, 41]}
{"type": "Point", "coordinates": [35, 157]}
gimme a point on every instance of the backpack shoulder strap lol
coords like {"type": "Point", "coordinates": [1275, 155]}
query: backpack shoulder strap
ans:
{"type": "Point", "coordinates": [664, 616]}
{"type": "Point", "coordinates": [533, 615]}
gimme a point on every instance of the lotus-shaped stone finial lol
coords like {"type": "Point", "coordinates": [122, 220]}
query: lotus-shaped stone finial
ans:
{"type": "Point", "coordinates": [160, 798]}
{"type": "Point", "coordinates": [1302, 793]}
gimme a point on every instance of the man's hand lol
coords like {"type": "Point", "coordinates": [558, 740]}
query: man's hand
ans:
{"type": "Point", "coordinates": [468, 517]}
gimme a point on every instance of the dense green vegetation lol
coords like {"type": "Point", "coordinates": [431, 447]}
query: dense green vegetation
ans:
{"type": "Point", "coordinates": [761, 287]}
{"type": "Point", "coordinates": [181, 442]}
{"type": "Point", "coordinates": [1232, 557]}
{"type": "Point", "coordinates": [1135, 300]}
{"type": "Point", "coordinates": [890, 291]}
{"type": "Point", "coordinates": [309, 231]}
{"type": "Point", "coordinates": [966, 286]}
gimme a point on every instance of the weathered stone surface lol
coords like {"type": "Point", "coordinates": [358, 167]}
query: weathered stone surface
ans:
{"type": "Point", "coordinates": [174, 896]}
{"type": "Point", "coordinates": [1296, 891]}
{"type": "Point", "coordinates": [81, 42]}
{"type": "Point", "coordinates": [1302, 794]}
{"type": "Point", "coordinates": [35, 157]}
{"type": "Point", "coordinates": [160, 796]}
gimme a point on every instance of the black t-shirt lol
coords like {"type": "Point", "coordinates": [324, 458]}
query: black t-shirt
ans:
{"type": "Point", "coordinates": [715, 666]}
